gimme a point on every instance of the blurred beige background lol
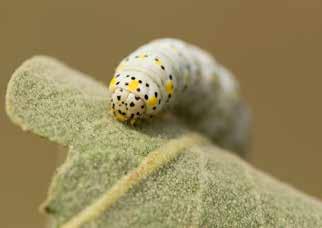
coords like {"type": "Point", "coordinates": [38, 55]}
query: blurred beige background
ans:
{"type": "Point", "coordinates": [274, 48]}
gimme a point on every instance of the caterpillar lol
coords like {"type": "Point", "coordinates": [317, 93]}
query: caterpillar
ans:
{"type": "Point", "coordinates": [170, 74]}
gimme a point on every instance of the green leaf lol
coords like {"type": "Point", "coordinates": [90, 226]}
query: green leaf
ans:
{"type": "Point", "coordinates": [158, 174]}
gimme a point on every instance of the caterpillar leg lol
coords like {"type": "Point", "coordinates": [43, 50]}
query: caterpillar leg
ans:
{"type": "Point", "coordinates": [134, 121]}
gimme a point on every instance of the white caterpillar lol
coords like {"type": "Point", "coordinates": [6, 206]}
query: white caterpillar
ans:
{"type": "Point", "coordinates": [171, 73]}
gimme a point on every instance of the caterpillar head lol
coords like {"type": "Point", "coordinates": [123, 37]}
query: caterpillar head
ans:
{"type": "Point", "coordinates": [126, 106]}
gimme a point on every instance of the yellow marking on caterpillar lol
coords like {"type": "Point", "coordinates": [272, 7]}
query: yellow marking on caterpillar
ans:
{"type": "Point", "coordinates": [112, 83]}
{"type": "Point", "coordinates": [157, 61]}
{"type": "Point", "coordinates": [133, 85]}
{"type": "Point", "coordinates": [142, 56]}
{"type": "Point", "coordinates": [152, 101]}
{"type": "Point", "coordinates": [169, 87]}
{"type": "Point", "coordinates": [119, 117]}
